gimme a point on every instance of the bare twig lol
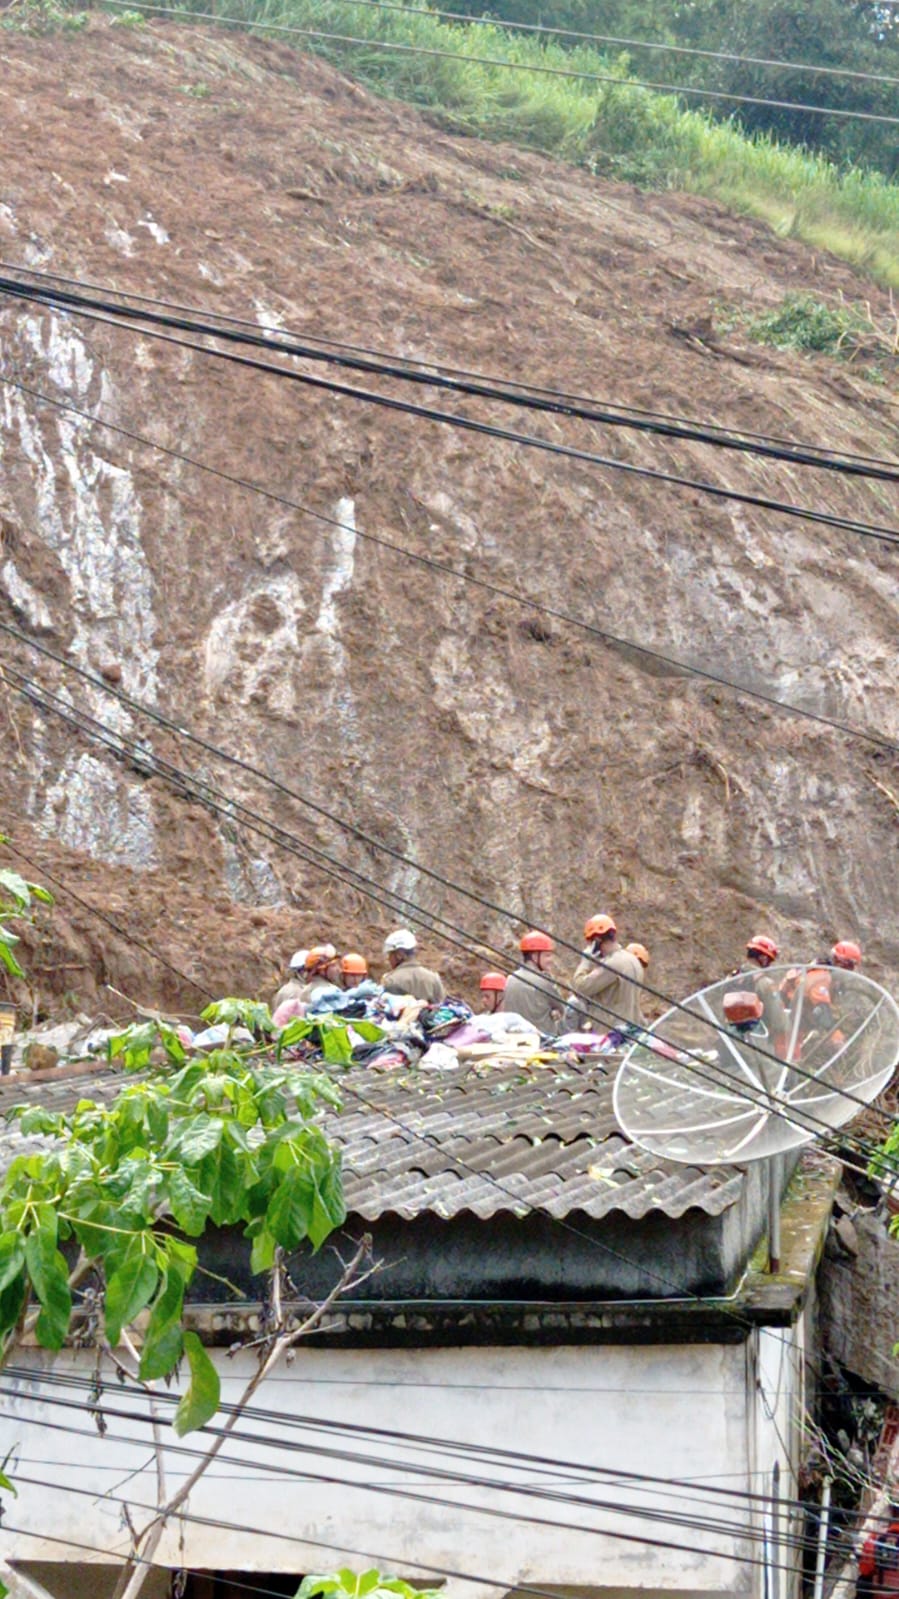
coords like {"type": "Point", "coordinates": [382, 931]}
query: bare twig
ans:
{"type": "Point", "coordinates": [145, 1544]}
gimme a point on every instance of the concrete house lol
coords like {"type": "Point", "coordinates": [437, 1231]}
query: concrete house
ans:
{"type": "Point", "coordinates": [564, 1379]}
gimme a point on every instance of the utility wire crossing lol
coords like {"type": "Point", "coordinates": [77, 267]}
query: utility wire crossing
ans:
{"type": "Point", "coordinates": [117, 316]}
{"type": "Point", "coordinates": [619, 82]}
{"type": "Point", "coordinates": [705, 431]}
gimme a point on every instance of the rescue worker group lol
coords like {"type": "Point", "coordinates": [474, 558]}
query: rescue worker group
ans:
{"type": "Point", "coordinates": [606, 984]}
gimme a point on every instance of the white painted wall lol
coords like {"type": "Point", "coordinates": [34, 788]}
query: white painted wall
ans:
{"type": "Point", "coordinates": [717, 1413]}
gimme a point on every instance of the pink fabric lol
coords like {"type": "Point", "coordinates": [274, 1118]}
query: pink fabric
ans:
{"type": "Point", "coordinates": [286, 1012]}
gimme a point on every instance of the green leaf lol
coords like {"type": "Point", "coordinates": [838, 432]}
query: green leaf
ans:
{"type": "Point", "coordinates": [262, 1254]}
{"type": "Point", "coordinates": [189, 1206]}
{"type": "Point", "coordinates": [296, 1030]}
{"type": "Point", "coordinates": [50, 1280]}
{"type": "Point", "coordinates": [7, 958]}
{"type": "Point", "coordinates": [370, 1031]}
{"type": "Point", "coordinates": [336, 1046]}
{"type": "Point", "coordinates": [12, 1257]}
{"type": "Point", "coordinates": [15, 888]}
{"type": "Point", "coordinates": [200, 1401]}
{"type": "Point", "coordinates": [157, 1120]}
{"type": "Point", "coordinates": [199, 1137]}
{"type": "Point", "coordinates": [164, 1340]}
{"type": "Point", "coordinates": [127, 1292]}
{"type": "Point", "coordinates": [290, 1209]}
{"type": "Point", "coordinates": [12, 1298]}
{"type": "Point", "coordinates": [249, 1013]}
{"type": "Point", "coordinates": [9, 1487]}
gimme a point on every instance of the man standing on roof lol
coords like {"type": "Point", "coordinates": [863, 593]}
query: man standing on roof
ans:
{"type": "Point", "coordinates": [821, 984]}
{"type": "Point", "coordinates": [531, 992]}
{"type": "Point", "coordinates": [405, 973]}
{"type": "Point", "coordinates": [322, 971]}
{"type": "Point", "coordinates": [609, 978]}
{"type": "Point", "coordinates": [761, 952]}
{"type": "Point", "coordinates": [293, 988]}
{"type": "Point", "coordinates": [492, 987]}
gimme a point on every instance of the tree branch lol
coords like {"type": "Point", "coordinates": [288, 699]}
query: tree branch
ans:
{"type": "Point", "coordinates": [144, 1547]}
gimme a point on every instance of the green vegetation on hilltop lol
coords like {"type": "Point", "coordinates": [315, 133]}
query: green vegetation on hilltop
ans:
{"type": "Point", "coordinates": [612, 127]}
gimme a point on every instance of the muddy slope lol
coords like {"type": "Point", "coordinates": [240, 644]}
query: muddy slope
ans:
{"type": "Point", "coordinates": [522, 758]}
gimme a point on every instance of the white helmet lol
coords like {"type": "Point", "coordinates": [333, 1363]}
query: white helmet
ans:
{"type": "Point", "coordinates": [297, 962]}
{"type": "Point", "coordinates": [401, 939]}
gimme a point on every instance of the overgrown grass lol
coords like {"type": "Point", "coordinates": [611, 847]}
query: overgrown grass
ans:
{"type": "Point", "coordinates": [613, 127]}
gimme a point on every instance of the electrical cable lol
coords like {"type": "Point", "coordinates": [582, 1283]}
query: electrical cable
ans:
{"type": "Point", "coordinates": [701, 1069]}
{"type": "Point", "coordinates": [445, 568]}
{"type": "Point", "coordinates": [738, 1530]}
{"type": "Point", "coordinates": [576, 1472]}
{"type": "Point", "coordinates": [114, 318]}
{"type": "Point", "coordinates": [137, 708]}
{"type": "Point", "coordinates": [195, 319]}
{"type": "Point", "coordinates": [394, 1560]}
{"type": "Point", "coordinates": [254, 825]}
{"type": "Point", "coordinates": [623, 1508]}
{"type": "Point", "coordinates": [705, 431]}
{"type": "Point", "coordinates": [698, 1065]}
{"type": "Point", "coordinates": [183, 15]}
{"type": "Point", "coordinates": [509, 25]}
{"type": "Point", "coordinates": [138, 1560]}
{"type": "Point", "coordinates": [129, 938]}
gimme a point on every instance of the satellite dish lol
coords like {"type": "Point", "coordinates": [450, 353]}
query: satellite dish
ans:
{"type": "Point", "coordinates": [688, 1092]}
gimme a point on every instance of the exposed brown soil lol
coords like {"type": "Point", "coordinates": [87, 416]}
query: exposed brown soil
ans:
{"type": "Point", "coordinates": [516, 755]}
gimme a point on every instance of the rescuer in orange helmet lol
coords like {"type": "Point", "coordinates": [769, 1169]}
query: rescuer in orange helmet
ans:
{"type": "Point", "coordinates": [821, 987]}
{"type": "Point", "coordinates": [353, 968]}
{"type": "Point", "coordinates": [762, 952]}
{"type": "Point", "coordinates": [492, 987]}
{"type": "Point", "coordinates": [608, 977]}
{"type": "Point", "coordinates": [322, 971]}
{"type": "Point", "coordinates": [531, 992]}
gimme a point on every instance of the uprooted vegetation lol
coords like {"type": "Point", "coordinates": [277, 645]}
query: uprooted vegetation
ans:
{"type": "Point", "coordinates": [809, 324]}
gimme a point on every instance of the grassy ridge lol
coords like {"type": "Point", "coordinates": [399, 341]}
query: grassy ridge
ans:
{"type": "Point", "coordinates": [615, 127]}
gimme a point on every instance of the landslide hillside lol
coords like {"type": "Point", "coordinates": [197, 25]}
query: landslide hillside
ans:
{"type": "Point", "coordinates": [524, 759]}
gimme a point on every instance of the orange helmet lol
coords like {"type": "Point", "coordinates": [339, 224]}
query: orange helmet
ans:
{"type": "Point", "coordinates": [353, 965]}
{"type": "Point", "coordinates": [493, 983]}
{"type": "Point", "coordinates": [760, 945]}
{"type": "Point", "coordinates": [846, 954]}
{"type": "Point", "coordinates": [533, 942]}
{"type": "Point", "coordinates": [320, 956]}
{"type": "Point", "coordinates": [742, 1006]}
{"type": "Point", "coordinates": [598, 927]}
{"type": "Point", "coordinates": [641, 952]}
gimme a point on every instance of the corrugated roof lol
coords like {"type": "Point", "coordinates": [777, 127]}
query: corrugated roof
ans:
{"type": "Point", "coordinates": [480, 1139]}
{"type": "Point", "coordinates": [506, 1138]}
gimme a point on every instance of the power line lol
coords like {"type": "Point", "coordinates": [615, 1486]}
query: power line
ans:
{"type": "Point", "coordinates": [705, 431]}
{"type": "Point", "coordinates": [195, 319]}
{"type": "Point", "coordinates": [94, 910]}
{"type": "Point", "coordinates": [114, 318]}
{"type": "Point", "coordinates": [508, 25]}
{"type": "Point", "coordinates": [351, 828]}
{"type": "Point", "coordinates": [741, 1531]}
{"type": "Point", "coordinates": [736, 1531]}
{"type": "Point", "coordinates": [579, 1472]}
{"type": "Point", "coordinates": [804, 1119]}
{"type": "Point", "coordinates": [182, 15]}
{"type": "Point", "coordinates": [445, 568]}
